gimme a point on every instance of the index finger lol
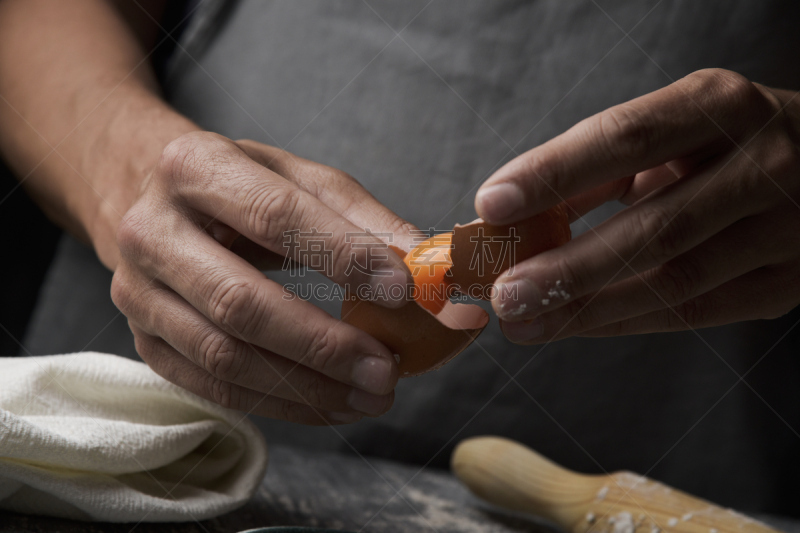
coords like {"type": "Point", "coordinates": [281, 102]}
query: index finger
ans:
{"type": "Point", "coordinates": [335, 189]}
{"type": "Point", "coordinates": [621, 141]}
{"type": "Point", "coordinates": [240, 301]}
{"type": "Point", "coordinates": [229, 187]}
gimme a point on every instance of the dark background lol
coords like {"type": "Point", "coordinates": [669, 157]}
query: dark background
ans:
{"type": "Point", "coordinates": [28, 244]}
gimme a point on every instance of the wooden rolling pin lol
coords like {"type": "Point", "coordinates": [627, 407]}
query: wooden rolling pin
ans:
{"type": "Point", "coordinates": [510, 475]}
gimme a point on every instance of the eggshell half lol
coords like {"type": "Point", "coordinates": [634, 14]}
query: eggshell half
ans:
{"type": "Point", "coordinates": [424, 340]}
{"type": "Point", "coordinates": [480, 252]}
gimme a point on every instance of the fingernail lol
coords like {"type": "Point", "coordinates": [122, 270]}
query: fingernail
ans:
{"type": "Point", "coordinates": [367, 403]}
{"type": "Point", "coordinates": [524, 331]}
{"type": "Point", "coordinates": [389, 288]}
{"type": "Point", "coordinates": [499, 203]}
{"type": "Point", "coordinates": [517, 298]}
{"type": "Point", "coordinates": [372, 374]}
{"type": "Point", "coordinates": [344, 418]}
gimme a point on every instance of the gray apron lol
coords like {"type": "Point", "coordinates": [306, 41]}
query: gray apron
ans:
{"type": "Point", "coordinates": [421, 119]}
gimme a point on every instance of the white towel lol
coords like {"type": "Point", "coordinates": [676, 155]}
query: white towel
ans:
{"type": "Point", "coordinates": [98, 437]}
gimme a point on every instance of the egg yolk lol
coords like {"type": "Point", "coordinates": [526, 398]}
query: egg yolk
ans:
{"type": "Point", "coordinates": [429, 263]}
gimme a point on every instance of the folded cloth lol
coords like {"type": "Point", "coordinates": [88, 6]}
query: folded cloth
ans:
{"type": "Point", "coordinates": [92, 436]}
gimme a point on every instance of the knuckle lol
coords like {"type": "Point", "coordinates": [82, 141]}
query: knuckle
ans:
{"type": "Point", "coordinates": [675, 281]}
{"type": "Point", "coordinates": [122, 292]}
{"type": "Point", "coordinates": [321, 351]}
{"type": "Point", "coordinates": [272, 212]}
{"type": "Point", "coordinates": [398, 227]}
{"type": "Point", "coordinates": [749, 182]}
{"type": "Point", "coordinates": [728, 86]}
{"type": "Point", "coordinates": [235, 306]}
{"type": "Point", "coordinates": [189, 162]}
{"type": "Point", "coordinates": [705, 79]}
{"type": "Point", "coordinates": [221, 357]}
{"type": "Point", "coordinates": [345, 256]}
{"type": "Point", "coordinates": [179, 156]}
{"type": "Point", "coordinates": [732, 99]}
{"type": "Point", "coordinates": [222, 392]}
{"type": "Point", "coordinates": [188, 156]}
{"type": "Point", "coordinates": [669, 241]}
{"type": "Point", "coordinates": [661, 231]}
{"type": "Point", "coordinates": [134, 234]}
{"type": "Point", "coordinates": [785, 161]}
{"type": "Point", "coordinates": [627, 136]}
{"type": "Point", "coordinates": [766, 175]}
{"type": "Point", "coordinates": [735, 88]}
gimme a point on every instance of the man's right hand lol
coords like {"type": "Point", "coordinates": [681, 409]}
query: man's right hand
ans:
{"type": "Point", "coordinates": [209, 321]}
{"type": "Point", "coordinates": [203, 317]}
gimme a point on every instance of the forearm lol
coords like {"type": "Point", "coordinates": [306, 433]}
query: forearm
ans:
{"type": "Point", "coordinates": [81, 118]}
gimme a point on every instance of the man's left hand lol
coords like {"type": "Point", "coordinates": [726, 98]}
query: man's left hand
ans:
{"type": "Point", "coordinates": [710, 169]}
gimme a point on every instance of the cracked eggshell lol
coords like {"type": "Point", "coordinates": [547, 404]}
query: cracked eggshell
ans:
{"type": "Point", "coordinates": [481, 252]}
{"type": "Point", "coordinates": [423, 341]}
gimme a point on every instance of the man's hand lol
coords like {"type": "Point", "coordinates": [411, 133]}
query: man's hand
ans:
{"type": "Point", "coordinates": [209, 321]}
{"type": "Point", "coordinates": [710, 168]}
{"type": "Point", "coordinates": [175, 224]}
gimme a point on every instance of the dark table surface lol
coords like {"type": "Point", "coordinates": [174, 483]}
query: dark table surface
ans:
{"type": "Point", "coordinates": [339, 492]}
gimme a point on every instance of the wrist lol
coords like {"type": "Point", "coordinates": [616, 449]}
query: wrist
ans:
{"type": "Point", "coordinates": [122, 157]}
